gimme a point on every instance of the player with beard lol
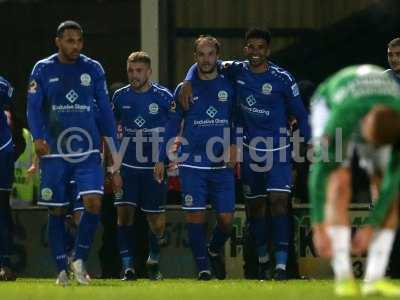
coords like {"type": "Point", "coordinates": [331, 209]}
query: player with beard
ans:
{"type": "Point", "coordinates": [67, 95]}
{"type": "Point", "coordinates": [205, 167]}
{"type": "Point", "coordinates": [268, 95]}
{"type": "Point", "coordinates": [142, 109]}
{"type": "Point", "coordinates": [393, 56]}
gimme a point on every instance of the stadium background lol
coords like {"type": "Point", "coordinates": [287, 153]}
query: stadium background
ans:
{"type": "Point", "coordinates": [311, 38]}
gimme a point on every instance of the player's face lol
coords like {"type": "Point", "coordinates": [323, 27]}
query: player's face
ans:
{"type": "Point", "coordinates": [206, 57]}
{"type": "Point", "coordinates": [257, 51]}
{"type": "Point", "coordinates": [138, 74]}
{"type": "Point", "coordinates": [394, 58]}
{"type": "Point", "coordinates": [70, 44]}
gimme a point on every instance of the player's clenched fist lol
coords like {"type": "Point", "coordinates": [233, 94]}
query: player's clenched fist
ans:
{"type": "Point", "coordinates": [116, 182]}
{"type": "Point", "coordinates": [41, 147]}
{"type": "Point", "coordinates": [159, 170]}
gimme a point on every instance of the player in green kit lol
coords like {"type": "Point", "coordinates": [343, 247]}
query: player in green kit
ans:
{"type": "Point", "coordinates": [356, 110]}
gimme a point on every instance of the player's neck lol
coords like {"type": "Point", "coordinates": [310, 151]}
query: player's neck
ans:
{"type": "Point", "coordinates": [260, 68]}
{"type": "Point", "coordinates": [143, 89]}
{"type": "Point", "coordinates": [208, 76]}
{"type": "Point", "coordinates": [64, 60]}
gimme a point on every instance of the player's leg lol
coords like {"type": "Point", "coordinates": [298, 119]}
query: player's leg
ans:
{"type": "Point", "coordinates": [153, 200]}
{"type": "Point", "coordinates": [73, 216]}
{"type": "Point", "coordinates": [6, 222]}
{"type": "Point", "coordinates": [378, 257]}
{"type": "Point", "coordinates": [6, 237]}
{"type": "Point", "coordinates": [156, 222]}
{"type": "Point", "coordinates": [279, 182]}
{"type": "Point", "coordinates": [52, 195]}
{"type": "Point", "coordinates": [194, 203]}
{"type": "Point", "coordinates": [126, 203]}
{"type": "Point", "coordinates": [339, 230]}
{"type": "Point", "coordinates": [222, 195]}
{"type": "Point", "coordinates": [89, 179]}
{"type": "Point", "coordinates": [255, 196]}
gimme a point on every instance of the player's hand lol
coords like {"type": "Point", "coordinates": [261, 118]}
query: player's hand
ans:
{"type": "Point", "coordinates": [116, 182]}
{"type": "Point", "coordinates": [41, 147]}
{"type": "Point", "coordinates": [185, 97]}
{"type": "Point", "coordinates": [31, 171]}
{"type": "Point", "coordinates": [322, 242]}
{"type": "Point", "coordinates": [159, 170]}
{"type": "Point", "coordinates": [232, 159]}
{"type": "Point", "coordinates": [362, 239]}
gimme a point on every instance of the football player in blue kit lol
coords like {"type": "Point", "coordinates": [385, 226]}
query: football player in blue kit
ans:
{"type": "Point", "coordinates": [141, 108]}
{"type": "Point", "coordinates": [6, 177]}
{"type": "Point", "coordinates": [64, 89]}
{"type": "Point", "coordinates": [205, 166]}
{"type": "Point", "coordinates": [268, 95]}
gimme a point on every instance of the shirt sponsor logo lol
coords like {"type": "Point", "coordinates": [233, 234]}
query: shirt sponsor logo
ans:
{"type": "Point", "coordinates": [251, 100]}
{"type": "Point", "coordinates": [72, 96]}
{"type": "Point", "coordinates": [126, 106]}
{"type": "Point", "coordinates": [211, 111]}
{"type": "Point", "coordinates": [139, 121]}
{"type": "Point", "coordinates": [71, 108]}
{"type": "Point", "coordinates": [55, 79]}
{"type": "Point", "coordinates": [241, 82]}
{"type": "Point", "coordinates": [153, 108]}
{"type": "Point", "coordinates": [266, 88]}
{"type": "Point", "coordinates": [86, 79]}
{"type": "Point", "coordinates": [222, 96]}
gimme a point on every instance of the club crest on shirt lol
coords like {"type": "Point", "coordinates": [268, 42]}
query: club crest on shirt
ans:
{"type": "Point", "coordinates": [188, 200]}
{"type": "Point", "coordinates": [266, 88]}
{"type": "Point", "coordinates": [222, 96]}
{"type": "Point", "coordinates": [118, 195]}
{"type": "Point", "coordinates": [172, 108]}
{"type": "Point", "coordinates": [86, 79]}
{"type": "Point", "coordinates": [46, 194]}
{"type": "Point", "coordinates": [32, 87]}
{"type": "Point", "coordinates": [153, 108]}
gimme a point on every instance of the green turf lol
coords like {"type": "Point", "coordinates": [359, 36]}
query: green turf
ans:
{"type": "Point", "coordinates": [43, 289]}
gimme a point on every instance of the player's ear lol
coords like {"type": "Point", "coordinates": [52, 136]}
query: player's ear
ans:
{"type": "Point", "coordinates": [57, 42]}
{"type": "Point", "coordinates": [268, 51]}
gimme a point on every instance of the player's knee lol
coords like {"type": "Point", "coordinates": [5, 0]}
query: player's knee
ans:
{"type": "Point", "coordinates": [156, 222]}
{"type": "Point", "coordinates": [57, 211]}
{"type": "Point", "coordinates": [225, 222]}
{"type": "Point", "coordinates": [195, 217]}
{"type": "Point", "coordinates": [126, 215]}
{"type": "Point", "coordinates": [340, 180]}
{"type": "Point", "coordinates": [278, 203]}
{"type": "Point", "coordinates": [256, 207]}
{"type": "Point", "coordinates": [92, 203]}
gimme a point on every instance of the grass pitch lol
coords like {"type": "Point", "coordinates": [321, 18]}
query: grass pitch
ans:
{"type": "Point", "coordinates": [43, 289]}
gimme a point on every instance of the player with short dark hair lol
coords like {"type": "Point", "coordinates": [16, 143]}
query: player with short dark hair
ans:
{"type": "Point", "coordinates": [393, 56]}
{"type": "Point", "coordinates": [67, 96]}
{"type": "Point", "coordinates": [268, 95]}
